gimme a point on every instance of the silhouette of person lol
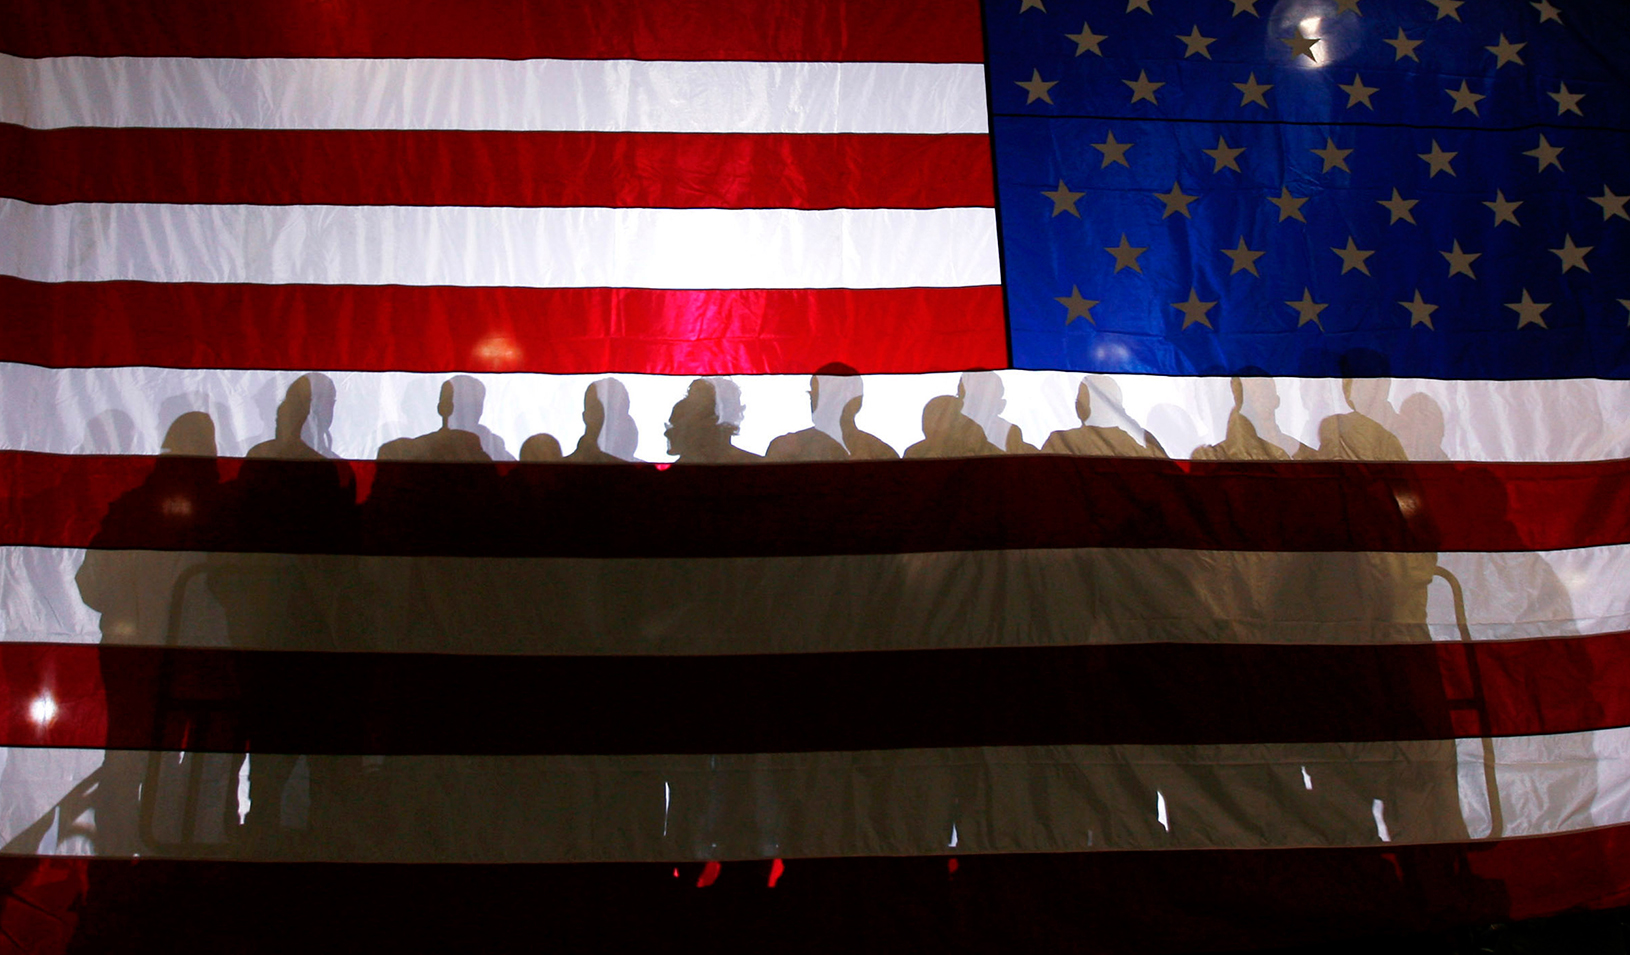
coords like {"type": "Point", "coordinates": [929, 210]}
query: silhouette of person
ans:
{"type": "Point", "coordinates": [449, 442]}
{"type": "Point", "coordinates": [1388, 590]}
{"type": "Point", "coordinates": [1243, 440]}
{"type": "Point", "coordinates": [111, 432]}
{"type": "Point", "coordinates": [1357, 435]}
{"type": "Point", "coordinates": [703, 422]}
{"type": "Point", "coordinates": [320, 418]}
{"type": "Point", "coordinates": [287, 501]}
{"type": "Point", "coordinates": [982, 401]}
{"type": "Point", "coordinates": [173, 510]}
{"type": "Point", "coordinates": [835, 398]}
{"type": "Point", "coordinates": [829, 396]}
{"type": "Point", "coordinates": [287, 442]}
{"type": "Point", "coordinates": [1421, 429]}
{"type": "Point", "coordinates": [540, 449]}
{"type": "Point", "coordinates": [948, 433]}
{"type": "Point", "coordinates": [609, 433]}
{"type": "Point", "coordinates": [1101, 440]}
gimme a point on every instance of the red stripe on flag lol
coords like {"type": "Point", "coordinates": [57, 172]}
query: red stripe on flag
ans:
{"type": "Point", "coordinates": [495, 168]}
{"type": "Point", "coordinates": [1125, 902]}
{"type": "Point", "coordinates": [1154, 694]}
{"type": "Point", "coordinates": [845, 30]}
{"type": "Point", "coordinates": [449, 328]}
{"type": "Point", "coordinates": [851, 508]}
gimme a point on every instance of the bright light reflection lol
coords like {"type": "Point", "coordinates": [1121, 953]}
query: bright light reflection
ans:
{"type": "Point", "coordinates": [1160, 811]}
{"type": "Point", "coordinates": [1310, 29]}
{"type": "Point", "coordinates": [42, 710]}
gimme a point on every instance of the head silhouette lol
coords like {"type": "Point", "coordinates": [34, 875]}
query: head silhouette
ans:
{"type": "Point", "coordinates": [594, 412]}
{"type": "Point", "coordinates": [619, 436]}
{"type": "Point", "coordinates": [294, 409]}
{"type": "Point", "coordinates": [695, 428]}
{"type": "Point", "coordinates": [942, 417]}
{"type": "Point", "coordinates": [1083, 401]}
{"type": "Point", "coordinates": [540, 448]}
{"type": "Point", "coordinates": [829, 396]}
{"type": "Point", "coordinates": [462, 400]}
{"type": "Point", "coordinates": [191, 435]}
{"type": "Point", "coordinates": [321, 419]}
{"type": "Point", "coordinates": [981, 394]}
{"type": "Point", "coordinates": [1421, 428]}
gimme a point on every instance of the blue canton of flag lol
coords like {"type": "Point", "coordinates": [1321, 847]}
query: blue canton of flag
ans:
{"type": "Point", "coordinates": [1415, 188]}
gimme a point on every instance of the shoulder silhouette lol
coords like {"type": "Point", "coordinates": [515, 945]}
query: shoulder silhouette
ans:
{"type": "Point", "coordinates": [983, 402]}
{"type": "Point", "coordinates": [1255, 399]}
{"type": "Point", "coordinates": [948, 433]}
{"type": "Point", "coordinates": [447, 443]}
{"type": "Point", "coordinates": [1101, 440]}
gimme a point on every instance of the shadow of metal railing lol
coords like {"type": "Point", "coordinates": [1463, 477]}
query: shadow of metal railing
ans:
{"type": "Point", "coordinates": [1477, 702]}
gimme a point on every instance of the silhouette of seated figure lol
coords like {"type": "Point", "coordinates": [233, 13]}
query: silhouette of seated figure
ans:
{"type": "Point", "coordinates": [1356, 435]}
{"type": "Point", "coordinates": [948, 433]}
{"type": "Point", "coordinates": [448, 443]}
{"type": "Point", "coordinates": [609, 433]}
{"type": "Point", "coordinates": [836, 393]}
{"type": "Point", "coordinates": [540, 449]}
{"type": "Point", "coordinates": [703, 422]}
{"type": "Point", "coordinates": [1255, 399]}
{"type": "Point", "coordinates": [982, 400]}
{"type": "Point", "coordinates": [1101, 440]}
{"type": "Point", "coordinates": [829, 396]}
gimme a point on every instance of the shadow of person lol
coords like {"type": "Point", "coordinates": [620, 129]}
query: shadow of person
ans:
{"type": "Point", "coordinates": [1256, 399]}
{"type": "Point", "coordinates": [982, 400]}
{"type": "Point", "coordinates": [836, 394]}
{"type": "Point", "coordinates": [447, 443]}
{"type": "Point", "coordinates": [147, 552]}
{"type": "Point", "coordinates": [320, 418]}
{"type": "Point", "coordinates": [702, 424]}
{"type": "Point", "coordinates": [293, 508]}
{"type": "Point", "coordinates": [540, 449]}
{"type": "Point", "coordinates": [948, 433]}
{"type": "Point", "coordinates": [829, 396]}
{"type": "Point", "coordinates": [1109, 440]}
{"type": "Point", "coordinates": [609, 432]}
{"type": "Point", "coordinates": [1420, 428]}
{"type": "Point", "coordinates": [1389, 590]}
{"type": "Point", "coordinates": [1358, 435]}
{"type": "Point", "coordinates": [111, 432]}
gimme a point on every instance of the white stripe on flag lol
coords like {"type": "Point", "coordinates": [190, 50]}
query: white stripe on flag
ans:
{"type": "Point", "coordinates": [487, 246]}
{"type": "Point", "coordinates": [68, 410]}
{"type": "Point", "coordinates": [629, 95]}
{"type": "Point", "coordinates": [876, 802]}
{"type": "Point", "coordinates": [746, 605]}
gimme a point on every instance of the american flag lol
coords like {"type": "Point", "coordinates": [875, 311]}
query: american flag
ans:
{"type": "Point", "coordinates": [1307, 622]}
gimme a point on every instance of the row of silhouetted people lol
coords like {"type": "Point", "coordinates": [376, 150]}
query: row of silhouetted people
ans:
{"type": "Point", "coordinates": [703, 425]}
